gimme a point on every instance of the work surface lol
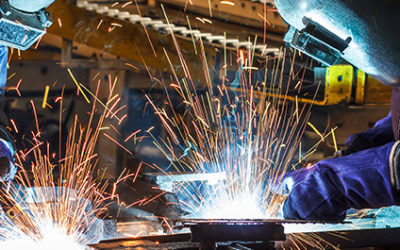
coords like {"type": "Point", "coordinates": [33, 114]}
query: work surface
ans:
{"type": "Point", "coordinates": [376, 228]}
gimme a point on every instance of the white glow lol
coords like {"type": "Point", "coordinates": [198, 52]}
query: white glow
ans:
{"type": "Point", "coordinates": [245, 206]}
{"type": "Point", "coordinates": [53, 238]}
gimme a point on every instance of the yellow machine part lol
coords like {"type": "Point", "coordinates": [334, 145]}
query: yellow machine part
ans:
{"type": "Point", "coordinates": [360, 87]}
{"type": "Point", "coordinates": [344, 84]}
{"type": "Point", "coordinates": [338, 81]}
{"type": "Point", "coordinates": [348, 85]}
{"type": "Point", "coordinates": [376, 93]}
{"type": "Point", "coordinates": [338, 85]}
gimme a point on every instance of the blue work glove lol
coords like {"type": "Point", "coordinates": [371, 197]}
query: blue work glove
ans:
{"type": "Point", "coordinates": [366, 179]}
{"type": "Point", "coordinates": [30, 5]}
{"type": "Point", "coordinates": [379, 135]}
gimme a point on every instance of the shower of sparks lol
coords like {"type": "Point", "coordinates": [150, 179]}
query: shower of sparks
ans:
{"type": "Point", "coordinates": [247, 132]}
{"type": "Point", "coordinates": [57, 205]}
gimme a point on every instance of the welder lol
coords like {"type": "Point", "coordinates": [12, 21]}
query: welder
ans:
{"type": "Point", "coordinates": [22, 23]}
{"type": "Point", "coordinates": [364, 33]}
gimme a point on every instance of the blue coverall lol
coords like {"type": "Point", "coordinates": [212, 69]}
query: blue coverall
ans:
{"type": "Point", "coordinates": [362, 179]}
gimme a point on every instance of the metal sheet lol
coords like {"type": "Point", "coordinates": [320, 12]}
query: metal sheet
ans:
{"type": "Point", "coordinates": [361, 238]}
{"type": "Point", "coordinates": [250, 231]}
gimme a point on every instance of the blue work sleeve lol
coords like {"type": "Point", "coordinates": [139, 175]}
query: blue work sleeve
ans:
{"type": "Point", "coordinates": [3, 68]}
{"type": "Point", "coordinates": [4, 134]}
{"type": "Point", "coordinates": [331, 187]}
{"type": "Point", "coordinates": [7, 167]}
{"type": "Point", "coordinates": [379, 135]}
{"type": "Point", "coordinates": [3, 79]}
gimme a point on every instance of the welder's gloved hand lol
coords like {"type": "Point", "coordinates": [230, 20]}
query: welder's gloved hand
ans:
{"type": "Point", "coordinates": [288, 181]}
{"type": "Point", "coordinates": [366, 179]}
{"type": "Point", "coordinates": [7, 167]}
{"type": "Point", "coordinates": [30, 5]}
{"type": "Point", "coordinates": [379, 135]}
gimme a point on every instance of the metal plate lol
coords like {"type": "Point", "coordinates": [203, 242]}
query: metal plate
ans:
{"type": "Point", "coordinates": [189, 222]}
{"type": "Point", "coordinates": [236, 231]}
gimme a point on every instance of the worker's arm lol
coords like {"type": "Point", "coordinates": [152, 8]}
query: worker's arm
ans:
{"type": "Point", "coordinates": [7, 167]}
{"type": "Point", "coordinates": [379, 135]}
{"type": "Point", "coordinates": [366, 179]}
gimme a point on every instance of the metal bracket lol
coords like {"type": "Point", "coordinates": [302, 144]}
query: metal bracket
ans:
{"type": "Point", "coordinates": [20, 29]}
{"type": "Point", "coordinates": [317, 42]}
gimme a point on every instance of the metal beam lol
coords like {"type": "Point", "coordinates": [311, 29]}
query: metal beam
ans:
{"type": "Point", "coordinates": [127, 40]}
{"type": "Point", "coordinates": [250, 13]}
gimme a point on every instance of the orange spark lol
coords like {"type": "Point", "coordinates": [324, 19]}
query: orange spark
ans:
{"type": "Point", "coordinates": [119, 144]}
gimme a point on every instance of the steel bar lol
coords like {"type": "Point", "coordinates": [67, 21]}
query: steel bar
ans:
{"type": "Point", "coordinates": [127, 39]}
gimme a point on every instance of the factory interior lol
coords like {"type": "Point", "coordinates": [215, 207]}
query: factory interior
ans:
{"type": "Point", "coordinates": [199, 124]}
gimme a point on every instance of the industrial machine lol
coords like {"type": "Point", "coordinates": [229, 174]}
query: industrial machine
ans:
{"type": "Point", "coordinates": [327, 35]}
{"type": "Point", "coordinates": [130, 41]}
{"type": "Point", "coordinates": [20, 28]}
